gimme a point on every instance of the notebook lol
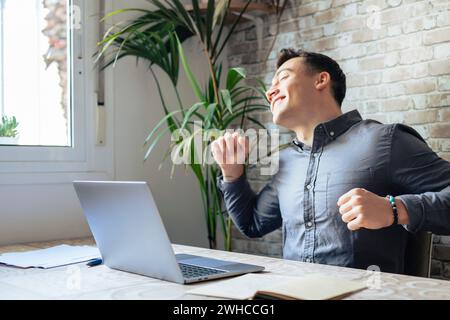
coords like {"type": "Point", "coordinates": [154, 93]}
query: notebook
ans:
{"type": "Point", "coordinates": [270, 286]}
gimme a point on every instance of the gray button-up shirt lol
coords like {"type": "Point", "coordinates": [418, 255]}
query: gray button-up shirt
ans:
{"type": "Point", "coordinates": [346, 153]}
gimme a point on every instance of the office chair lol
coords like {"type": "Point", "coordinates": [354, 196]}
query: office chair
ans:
{"type": "Point", "coordinates": [418, 254]}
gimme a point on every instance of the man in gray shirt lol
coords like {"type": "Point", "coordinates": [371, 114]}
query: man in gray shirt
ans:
{"type": "Point", "coordinates": [331, 192]}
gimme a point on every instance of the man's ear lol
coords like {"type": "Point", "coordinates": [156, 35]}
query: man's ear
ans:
{"type": "Point", "coordinates": [322, 80]}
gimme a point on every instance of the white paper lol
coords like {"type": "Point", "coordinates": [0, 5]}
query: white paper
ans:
{"type": "Point", "coordinates": [52, 257]}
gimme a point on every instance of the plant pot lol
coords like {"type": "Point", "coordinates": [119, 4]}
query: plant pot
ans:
{"type": "Point", "coordinates": [9, 140]}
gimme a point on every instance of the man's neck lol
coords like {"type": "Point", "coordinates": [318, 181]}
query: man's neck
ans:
{"type": "Point", "coordinates": [305, 133]}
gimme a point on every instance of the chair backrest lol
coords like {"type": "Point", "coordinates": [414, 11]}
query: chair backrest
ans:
{"type": "Point", "coordinates": [418, 254]}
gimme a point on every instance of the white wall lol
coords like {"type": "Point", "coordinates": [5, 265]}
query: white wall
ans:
{"type": "Point", "coordinates": [39, 212]}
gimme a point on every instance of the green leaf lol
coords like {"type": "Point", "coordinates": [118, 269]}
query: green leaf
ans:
{"type": "Point", "coordinates": [113, 13]}
{"type": "Point", "coordinates": [237, 91]}
{"type": "Point", "coordinates": [252, 107]}
{"type": "Point", "coordinates": [192, 111]}
{"type": "Point", "coordinates": [160, 123]}
{"type": "Point", "coordinates": [158, 137]}
{"type": "Point", "coordinates": [198, 19]}
{"type": "Point", "coordinates": [227, 100]}
{"type": "Point", "coordinates": [247, 99]}
{"type": "Point", "coordinates": [210, 111]}
{"type": "Point", "coordinates": [190, 148]}
{"type": "Point", "coordinates": [166, 154]}
{"type": "Point", "coordinates": [234, 76]}
{"type": "Point", "coordinates": [220, 11]}
{"type": "Point", "coordinates": [170, 121]}
{"type": "Point", "coordinates": [256, 122]}
{"type": "Point", "coordinates": [197, 169]}
{"type": "Point", "coordinates": [183, 15]}
{"type": "Point", "coordinates": [209, 22]}
{"type": "Point", "coordinates": [236, 114]}
{"type": "Point", "coordinates": [189, 73]}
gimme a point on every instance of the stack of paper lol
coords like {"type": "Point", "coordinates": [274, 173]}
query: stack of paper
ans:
{"type": "Point", "coordinates": [52, 257]}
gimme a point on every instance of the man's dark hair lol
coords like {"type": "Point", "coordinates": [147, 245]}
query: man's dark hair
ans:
{"type": "Point", "coordinates": [317, 62]}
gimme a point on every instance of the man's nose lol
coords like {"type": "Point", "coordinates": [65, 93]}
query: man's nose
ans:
{"type": "Point", "coordinates": [271, 93]}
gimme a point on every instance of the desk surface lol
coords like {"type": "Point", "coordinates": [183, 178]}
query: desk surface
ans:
{"type": "Point", "coordinates": [81, 282]}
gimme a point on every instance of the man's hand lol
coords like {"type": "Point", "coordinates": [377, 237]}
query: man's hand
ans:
{"type": "Point", "coordinates": [230, 152]}
{"type": "Point", "coordinates": [364, 209]}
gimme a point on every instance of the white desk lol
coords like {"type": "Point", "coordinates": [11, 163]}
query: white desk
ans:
{"type": "Point", "coordinates": [100, 282]}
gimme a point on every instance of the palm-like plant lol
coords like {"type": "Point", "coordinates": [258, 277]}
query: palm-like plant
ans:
{"type": "Point", "coordinates": [156, 36]}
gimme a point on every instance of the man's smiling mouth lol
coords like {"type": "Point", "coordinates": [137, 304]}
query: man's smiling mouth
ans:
{"type": "Point", "coordinates": [277, 101]}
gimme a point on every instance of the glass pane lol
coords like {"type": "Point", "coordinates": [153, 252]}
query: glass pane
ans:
{"type": "Point", "coordinates": [35, 77]}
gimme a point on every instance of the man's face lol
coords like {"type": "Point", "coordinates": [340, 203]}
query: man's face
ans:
{"type": "Point", "coordinates": [291, 93]}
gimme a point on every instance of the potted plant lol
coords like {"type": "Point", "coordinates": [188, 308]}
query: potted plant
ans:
{"type": "Point", "coordinates": [156, 36]}
{"type": "Point", "coordinates": [8, 131]}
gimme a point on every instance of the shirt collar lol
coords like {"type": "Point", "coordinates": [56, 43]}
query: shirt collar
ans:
{"type": "Point", "coordinates": [330, 130]}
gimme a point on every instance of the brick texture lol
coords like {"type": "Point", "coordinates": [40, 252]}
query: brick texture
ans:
{"type": "Point", "coordinates": [396, 55]}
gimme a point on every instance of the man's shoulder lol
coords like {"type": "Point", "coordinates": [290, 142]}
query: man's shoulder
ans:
{"type": "Point", "coordinates": [390, 129]}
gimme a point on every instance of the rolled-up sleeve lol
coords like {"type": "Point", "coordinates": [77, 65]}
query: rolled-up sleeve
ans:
{"type": "Point", "coordinates": [253, 214]}
{"type": "Point", "coordinates": [422, 179]}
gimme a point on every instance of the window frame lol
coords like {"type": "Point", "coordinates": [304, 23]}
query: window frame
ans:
{"type": "Point", "coordinates": [84, 159]}
{"type": "Point", "coordinates": [2, 103]}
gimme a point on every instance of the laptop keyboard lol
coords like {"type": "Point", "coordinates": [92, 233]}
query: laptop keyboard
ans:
{"type": "Point", "coordinates": [190, 271]}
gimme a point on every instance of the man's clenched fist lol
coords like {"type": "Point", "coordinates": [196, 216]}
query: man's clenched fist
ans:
{"type": "Point", "coordinates": [230, 152]}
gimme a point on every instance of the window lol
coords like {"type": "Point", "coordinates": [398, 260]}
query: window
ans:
{"type": "Point", "coordinates": [48, 83]}
{"type": "Point", "coordinates": [35, 74]}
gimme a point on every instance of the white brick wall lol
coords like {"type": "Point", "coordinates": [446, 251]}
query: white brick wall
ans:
{"type": "Point", "coordinates": [396, 54]}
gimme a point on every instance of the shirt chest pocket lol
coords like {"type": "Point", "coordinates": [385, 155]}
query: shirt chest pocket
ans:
{"type": "Point", "coordinates": [339, 183]}
{"type": "Point", "coordinates": [329, 187]}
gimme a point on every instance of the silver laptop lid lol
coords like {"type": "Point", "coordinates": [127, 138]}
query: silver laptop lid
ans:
{"type": "Point", "coordinates": [127, 228]}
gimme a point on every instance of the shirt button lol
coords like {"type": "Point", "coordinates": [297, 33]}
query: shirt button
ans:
{"type": "Point", "coordinates": [309, 224]}
{"type": "Point", "coordinates": [308, 186]}
{"type": "Point", "coordinates": [331, 133]}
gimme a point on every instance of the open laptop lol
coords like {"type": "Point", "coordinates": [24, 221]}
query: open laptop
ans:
{"type": "Point", "coordinates": [130, 235]}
